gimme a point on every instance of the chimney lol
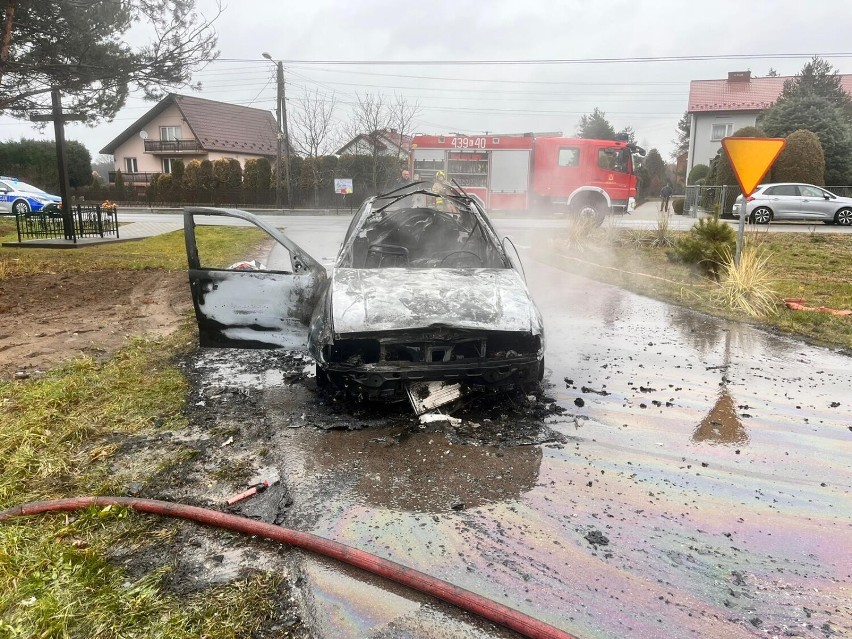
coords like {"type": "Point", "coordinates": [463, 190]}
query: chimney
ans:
{"type": "Point", "coordinates": [739, 76]}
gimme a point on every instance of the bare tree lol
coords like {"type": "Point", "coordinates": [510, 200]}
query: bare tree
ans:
{"type": "Point", "coordinates": [401, 115]}
{"type": "Point", "coordinates": [373, 116]}
{"type": "Point", "coordinates": [314, 132]}
{"type": "Point", "coordinates": [369, 117]}
{"type": "Point", "coordinates": [313, 125]}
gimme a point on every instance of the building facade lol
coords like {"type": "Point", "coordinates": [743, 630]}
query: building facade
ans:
{"type": "Point", "coordinates": [188, 128]}
{"type": "Point", "coordinates": [718, 108]}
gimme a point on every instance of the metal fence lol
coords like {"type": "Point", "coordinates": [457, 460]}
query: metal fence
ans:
{"type": "Point", "coordinates": [84, 221]}
{"type": "Point", "coordinates": [710, 200]}
{"type": "Point", "coordinates": [719, 200]}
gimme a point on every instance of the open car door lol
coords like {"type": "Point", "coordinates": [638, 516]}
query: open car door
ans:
{"type": "Point", "coordinates": [238, 308]}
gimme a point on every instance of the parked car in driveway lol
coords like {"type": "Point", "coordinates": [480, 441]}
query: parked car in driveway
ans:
{"type": "Point", "coordinates": [794, 201]}
{"type": "Point", "coordinates": [422, 290]}
{"type": "Point", "coordinates": [20, 198]}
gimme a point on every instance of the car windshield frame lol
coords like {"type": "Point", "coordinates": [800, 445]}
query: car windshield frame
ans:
{"type": "Point", "coordinates": [378, 207]}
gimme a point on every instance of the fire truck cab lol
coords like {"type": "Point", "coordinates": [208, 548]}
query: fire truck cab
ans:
{"type": "Point", "coordinates": [543, 173]}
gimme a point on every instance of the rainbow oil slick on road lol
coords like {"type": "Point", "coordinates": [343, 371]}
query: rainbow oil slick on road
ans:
{"type": "Point", "coordinates": [700, 488]}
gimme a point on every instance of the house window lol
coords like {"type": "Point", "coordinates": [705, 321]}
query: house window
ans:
{"type": "Point", "coordinates": [167, 164]}
{"type": "Point", "coordinates": [719, 131]}
{"type": "Point", "coordinates": [569, 157]}
{"type": "Point", "coordinates": [169, 133]}
{"type": "Point", "coordinates": [130, 165]}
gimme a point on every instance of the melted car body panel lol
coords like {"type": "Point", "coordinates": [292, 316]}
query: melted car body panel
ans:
{"type": "Point", "coordinates": [372, 300]}
{"type": "Point", "coordinates": [253, 309]}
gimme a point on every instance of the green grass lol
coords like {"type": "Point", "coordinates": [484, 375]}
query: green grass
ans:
{"type": "Point", "coordinates": [55, 431]}
{"type": "Point", "coordinates": [813, 266]}
{"type": "Point", "coordinates": [56, 582]}
{"type": "Point", "coordinates": [221, 245]}
{"type": "Point", "coordinates": [60, 436]}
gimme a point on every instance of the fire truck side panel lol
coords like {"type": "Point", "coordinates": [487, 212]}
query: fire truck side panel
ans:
{"type": "Point", "coordinates": [530, 172]}
{"type": "Point", "coordinates": [509, 181]}
{"type": "Point", "coordinates": [427, 162]}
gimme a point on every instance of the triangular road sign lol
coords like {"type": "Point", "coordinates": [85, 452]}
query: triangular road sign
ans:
{"type": "Point", "coordinates": [751, 158]}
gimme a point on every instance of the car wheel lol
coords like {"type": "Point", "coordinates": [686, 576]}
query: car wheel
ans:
{"type": "Point", "coordinates": [761, 215]}
{"type": "Point", "coordinates": [20, 207]}
{"type": "Point", "coordinates": [591, 210]}
{"type": "Point", "coordinates": [844, 217]}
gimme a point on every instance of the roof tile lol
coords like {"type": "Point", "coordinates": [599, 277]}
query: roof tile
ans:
{"type": "Point", "coordinates": [227, 127]}
{"type": "Point", "coordinates": [756, 94]}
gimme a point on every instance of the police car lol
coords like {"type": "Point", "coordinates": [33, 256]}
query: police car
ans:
{"type": "Point", "coordinates": [20, 198]}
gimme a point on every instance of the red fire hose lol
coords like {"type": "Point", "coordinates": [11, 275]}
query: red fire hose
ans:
{"type": "Point", "coordinates": [464, 599]}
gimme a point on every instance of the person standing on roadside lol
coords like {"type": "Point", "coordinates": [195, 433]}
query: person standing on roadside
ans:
{"type": "Point", "coordinates": [665, 196]}
{"type": "Point", "coordinates": [405, 180]}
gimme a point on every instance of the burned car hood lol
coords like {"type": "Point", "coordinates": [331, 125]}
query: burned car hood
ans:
{"type": "Point", "coordinates": [390, 299]}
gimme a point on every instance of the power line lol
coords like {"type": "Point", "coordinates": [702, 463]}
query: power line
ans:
{"type": "Point", "coordinates": [499, 91]}
{"type": "Point", "coordinates": [512, 111]}
{"type": "Point", "coordinates": [552, 61]}
{"type": "Point", "coordinates": [489, 80]}
{"type": "Point", "coordinates": [452, 90]}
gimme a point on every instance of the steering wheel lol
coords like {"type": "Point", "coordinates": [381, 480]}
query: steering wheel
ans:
{"type": "Point", "coordinates": [461, 254]}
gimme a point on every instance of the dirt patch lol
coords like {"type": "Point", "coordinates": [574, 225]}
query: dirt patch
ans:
{"type": "Point", "coordinates": [50, 318]}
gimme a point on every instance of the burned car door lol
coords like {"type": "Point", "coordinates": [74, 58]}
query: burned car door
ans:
{"type": "Point", "coordinates": [246, 305]}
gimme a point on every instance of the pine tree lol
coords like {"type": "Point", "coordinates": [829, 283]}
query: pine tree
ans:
{"type": "Point", "coordinates": [595, 126]}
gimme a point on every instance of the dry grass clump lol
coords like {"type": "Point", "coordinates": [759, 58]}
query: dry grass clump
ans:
{"type": "Point", "coordinates": [661, 234]}
{"type": "Point", "coordinates": [747, 286]}
{"type": "Point", "coordinates": [579, 233]}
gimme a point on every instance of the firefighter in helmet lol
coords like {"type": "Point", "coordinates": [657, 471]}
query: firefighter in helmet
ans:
{"type": "Point", "coordinates": [441, 187]}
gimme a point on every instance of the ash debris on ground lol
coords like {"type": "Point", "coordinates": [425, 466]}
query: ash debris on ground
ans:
{"type": "Point", "coordinates": [223, 449]}
{"type": "Point", "coordinates": [243, 411]}
{"type": "Point", "coordinates": [596, 538]}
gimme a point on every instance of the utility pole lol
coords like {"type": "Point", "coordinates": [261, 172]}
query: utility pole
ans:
{"type": "Point", "coordinates": [283, 132]}
{"type": "Point", "coordinates": [282, 120]}
{"type": "Point", "coordinates": [279, 135]}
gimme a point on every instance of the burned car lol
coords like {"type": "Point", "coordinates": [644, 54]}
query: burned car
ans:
{"type": "Point", "coordinates": [422, 290]}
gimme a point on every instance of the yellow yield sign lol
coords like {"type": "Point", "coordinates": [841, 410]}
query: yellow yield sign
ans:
{"type": "Point", "coordinates": [751, 158]}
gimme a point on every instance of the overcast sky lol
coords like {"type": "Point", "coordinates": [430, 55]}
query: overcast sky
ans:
{"type": "Point", "coordinates": [649, 96]}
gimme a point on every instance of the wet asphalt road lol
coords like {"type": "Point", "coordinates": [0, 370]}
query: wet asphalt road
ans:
{"type": "Point", "coordinates": [700, 486]}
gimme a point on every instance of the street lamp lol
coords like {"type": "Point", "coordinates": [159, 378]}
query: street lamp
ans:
{"type": "Point", "coordinates": [283, 132]}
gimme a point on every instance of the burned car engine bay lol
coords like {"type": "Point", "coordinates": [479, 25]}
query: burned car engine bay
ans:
{"type": "Point", "coordinates": [442, 299]}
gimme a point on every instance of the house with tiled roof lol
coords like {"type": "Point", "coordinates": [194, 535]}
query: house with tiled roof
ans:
{"type": "Point", "coordinates": [385, 141]}
{"type": "Point", "coordinates": [190, 128]}
{"type": "Point", "coordinates": [717, 108]}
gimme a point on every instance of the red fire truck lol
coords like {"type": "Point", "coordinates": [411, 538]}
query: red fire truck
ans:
{"type": "Point", "coordinates": [533, 172]}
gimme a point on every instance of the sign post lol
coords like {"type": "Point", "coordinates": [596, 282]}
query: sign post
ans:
{"type": "Point", "coordinates": [343, 186]}
{"type": "Point", "coordinates": [750, 159]}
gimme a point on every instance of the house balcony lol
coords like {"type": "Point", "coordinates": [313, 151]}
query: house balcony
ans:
{"type": "Point", "coordinates": [132, 178]}
{"type": "Point", "coordinates": [173, 146]}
